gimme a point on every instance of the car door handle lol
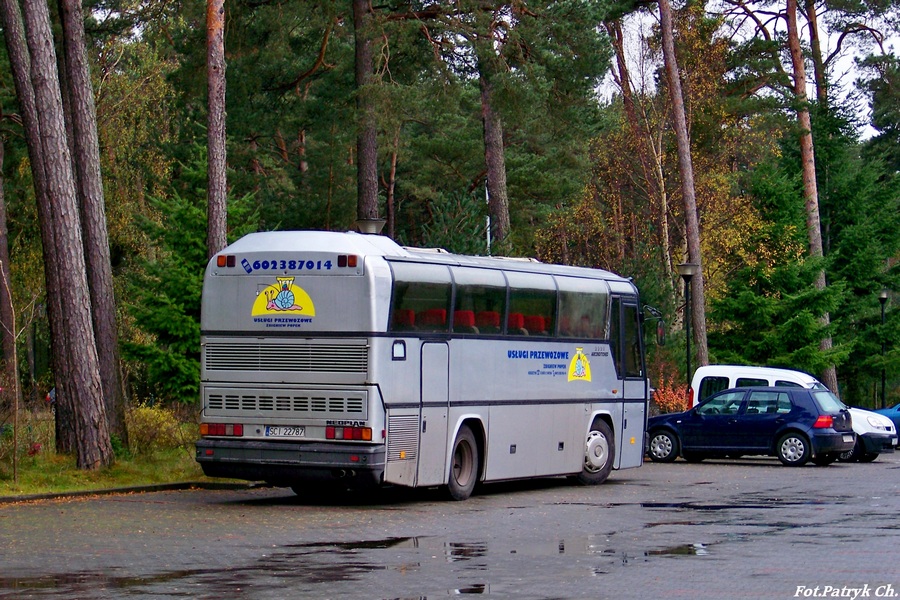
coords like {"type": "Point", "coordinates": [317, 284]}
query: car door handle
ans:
{"type": "Point", "coordinates": [732, 421]}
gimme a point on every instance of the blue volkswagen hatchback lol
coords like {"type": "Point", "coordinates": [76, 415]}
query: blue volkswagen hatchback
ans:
{"type": "Point", "coordinates": [794, 424]}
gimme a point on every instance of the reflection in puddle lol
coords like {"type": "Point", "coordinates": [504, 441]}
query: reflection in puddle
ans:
{"type": "Point", "coordinates": [413, 560]}
{"type": "Point", "coordinates": [683, 550]}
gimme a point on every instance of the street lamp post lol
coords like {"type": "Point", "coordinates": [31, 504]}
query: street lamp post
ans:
{"type": "Point", "coordinates": [687, 271]}
{"type": "Point", "coordinates": [882, 297]}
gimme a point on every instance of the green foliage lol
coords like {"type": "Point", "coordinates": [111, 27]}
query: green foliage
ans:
{"type": "Point", "coordinates": [164, 299]}
{"type": "Point", "coordinates": [457, 224]}
{"type": "Point", "coordinates": [771, 316]}
{"type": "Point", "coordinates": [153, 427]}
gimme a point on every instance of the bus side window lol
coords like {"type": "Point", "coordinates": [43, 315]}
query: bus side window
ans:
{"type": "Point", "coordinates": [582, 309]}
{"type": "Point", "coordinates": [479, 301]}
{"type": "Point", "coordinates": [420, 305]}
{"type": "Point", "coordinates": [535, 305]}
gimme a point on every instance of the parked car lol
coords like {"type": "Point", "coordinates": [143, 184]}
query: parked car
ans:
{"type": "Point", "coordinates": [892, 413]}
{"type": "Point", "coordinates": [875, 434]}
{"type": "Point", "coordinates": [794, 424]}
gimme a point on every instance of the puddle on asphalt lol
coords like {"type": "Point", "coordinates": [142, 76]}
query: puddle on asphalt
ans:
{"type": "Point", "coordinates": [683, 550]}
{"type": "Point", "coordinates": [325, 563]}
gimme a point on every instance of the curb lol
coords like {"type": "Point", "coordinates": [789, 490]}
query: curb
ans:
{"type": "Point", "coordinates": [162, 487]}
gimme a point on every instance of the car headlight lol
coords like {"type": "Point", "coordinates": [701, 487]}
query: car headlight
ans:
{"type": "Point", "coordinates": [877, 424]}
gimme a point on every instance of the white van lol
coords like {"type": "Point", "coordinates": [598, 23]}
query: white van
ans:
{"type": "Point", "coordinates": [875, 433]}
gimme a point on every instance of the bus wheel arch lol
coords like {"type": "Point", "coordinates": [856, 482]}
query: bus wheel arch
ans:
{"type": "Point", "coordinates": [466, 456]}
{"type": "Point", "coordinates": [599, 452]}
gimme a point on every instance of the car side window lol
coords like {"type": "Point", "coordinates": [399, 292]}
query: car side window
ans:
{"type": "Point", "coordinates": [750, 382]}
{"type": "Point", "coordinates": [784, 405]}
{"type": "Point", "coordinates": [766, 403]}
{"type": "Point", "coordinates": [724, 404]}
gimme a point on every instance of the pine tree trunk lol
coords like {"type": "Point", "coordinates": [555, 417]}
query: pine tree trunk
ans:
{"type": "Point", "coordinates": [92, 443]}
{"type": "Point", "coordinates": [494, 158]}
{"type": "Point", "coordinates": [93, 214]}
{"type": "Point", "coordinates": [20, 61]}
{"type": "Point", "coordinates": [8, 401]}
{"type": "Point", "coordinates": [653, 173]}
{"type": "Point", "coordinates": [217, 193]}
{"type": "Point", "coordinates": [816, 46]}
{"type": "Point", "coordinates": [366, 138]}
{"type": "Point", "coordinates": [686, 170]}
{"type": "Point", "coordinates": [808, 165]}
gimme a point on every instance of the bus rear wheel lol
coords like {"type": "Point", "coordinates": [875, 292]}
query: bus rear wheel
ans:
{"type": "Point", "coordinates": [599, 454]}
{"type": "Point", "coordinates": [464, 469]}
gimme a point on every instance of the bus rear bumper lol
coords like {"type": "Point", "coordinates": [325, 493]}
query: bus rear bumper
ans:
{"type": "Point", "coordinates": [290, 463]}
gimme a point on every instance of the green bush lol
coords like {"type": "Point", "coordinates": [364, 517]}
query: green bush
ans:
{"type": "Point", "coordinates": [152, 428]}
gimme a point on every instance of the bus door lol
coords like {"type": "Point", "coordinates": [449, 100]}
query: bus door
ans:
{"type": "Point", "coordinates": [628, 355]}
{"type": "Point", "coordinates": [434, 404]}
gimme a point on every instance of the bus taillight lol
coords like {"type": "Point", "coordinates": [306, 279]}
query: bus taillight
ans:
{"type": "Point", "coordinates": [347, 260]}
{"type": "Point", "coordinates": [226, 429]}
{"type": "Point", "coordinates": [363, 434]}
{"type": "Point", "coordinates": [225, 260]}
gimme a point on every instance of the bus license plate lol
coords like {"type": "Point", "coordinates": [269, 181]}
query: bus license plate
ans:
{"type": "Point", "coordinates": [848, 438]}
{"type": "Point", "coordinates": [284, 431]}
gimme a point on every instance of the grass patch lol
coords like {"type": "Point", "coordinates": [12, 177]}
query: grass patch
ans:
{"type": "Point", "coordinates": [48, 472]}
{"type": "Point", "coordinates": [160, 451]}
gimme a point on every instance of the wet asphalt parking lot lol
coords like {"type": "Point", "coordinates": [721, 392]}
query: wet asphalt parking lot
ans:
{"type": "Point", "coordinates": [722, 529]}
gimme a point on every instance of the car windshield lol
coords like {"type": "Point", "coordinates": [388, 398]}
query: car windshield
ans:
{"type": "Point", "coordinates": [827, 401]}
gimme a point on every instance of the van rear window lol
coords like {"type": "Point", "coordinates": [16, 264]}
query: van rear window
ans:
{"type": "Point", "coordinates": [710, 386]}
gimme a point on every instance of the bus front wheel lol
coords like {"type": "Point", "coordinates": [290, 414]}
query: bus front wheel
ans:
{"type": "Point", "coordinates": [464, 470]}
{"type": "Point", "coordinates": [599, 454]}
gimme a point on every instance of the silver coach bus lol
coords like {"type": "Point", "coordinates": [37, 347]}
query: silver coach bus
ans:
{"type": "Point", "coordinates": [344, 359]}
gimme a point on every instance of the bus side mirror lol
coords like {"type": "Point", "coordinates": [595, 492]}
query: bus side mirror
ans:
{"type": "Point", "coordinates": [660, 324]}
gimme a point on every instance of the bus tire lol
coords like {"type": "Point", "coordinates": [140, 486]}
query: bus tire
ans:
{"type": "Point", "coordinates": [464, 465]}
{"type": "Point", "coordinates": [599, 454]}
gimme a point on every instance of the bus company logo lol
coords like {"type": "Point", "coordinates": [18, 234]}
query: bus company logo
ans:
{"type": "Point", "coordinates": [580, 367]}
{"type": "Point", "coordinates": [283, 296]}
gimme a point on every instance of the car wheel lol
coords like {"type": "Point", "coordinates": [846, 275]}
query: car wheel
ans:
{"type": "Point", "coordinates": [663, 446]}
{"type": "Point", "coordinates": [868, 457]}
{"type": "Point", "coordinates": [599, 454]}
{"type": "Point", "coordinates": [853, 453]}
{"type": "Point", "coordinates": [464, 470]}
{"type": "Point", "coordinates": [823, 460]}
{"type": "Point", "coordinates": [793, 449]}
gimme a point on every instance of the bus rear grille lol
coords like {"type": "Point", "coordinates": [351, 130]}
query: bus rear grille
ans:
{"type": "Point", "coordinates": [286, 404]}
{"type": "Point", "coordinates": [403, 437]}
{"type": "Point", "coordinates": [296, 357]}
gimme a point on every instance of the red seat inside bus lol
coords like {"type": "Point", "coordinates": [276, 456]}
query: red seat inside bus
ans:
{"type": "Point", "coordinates": [433, 318]}
{"type": "Point", "coordinates": [535, 325]}
{"type": "Point", "coordinates": [404, 319]}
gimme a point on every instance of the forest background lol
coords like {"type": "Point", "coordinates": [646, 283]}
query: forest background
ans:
{"type": "Point", "coordinates": [591, 178]}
